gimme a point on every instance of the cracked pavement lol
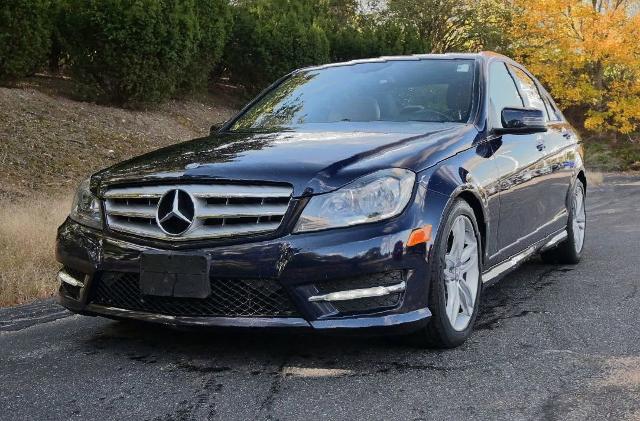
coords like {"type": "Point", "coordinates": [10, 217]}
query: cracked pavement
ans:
{"type": "Point", "coordinates": [552, 342]}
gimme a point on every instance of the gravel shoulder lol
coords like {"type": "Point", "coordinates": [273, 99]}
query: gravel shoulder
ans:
{"type": "Point", "coordinates": [553, 342]}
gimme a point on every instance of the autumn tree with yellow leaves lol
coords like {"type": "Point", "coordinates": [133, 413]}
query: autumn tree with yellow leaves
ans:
{"type": "Point", "coordinates": [587, 53]}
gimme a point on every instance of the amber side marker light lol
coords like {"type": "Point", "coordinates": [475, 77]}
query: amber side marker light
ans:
{"type": "Point", "coordinates": [419, 236]}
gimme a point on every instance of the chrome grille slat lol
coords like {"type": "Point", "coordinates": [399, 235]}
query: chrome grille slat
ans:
{"type": "Point", "coordinates": [201, 191]}
{"type": "Point", "coordinates": [221, 210]}
{"type": "Point", "coordinates": [147, 230]}
{"type": "Point", "coordinates": [133, 211]}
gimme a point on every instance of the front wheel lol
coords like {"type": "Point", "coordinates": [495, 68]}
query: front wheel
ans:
{"type": "Point", "coordinates": [456, 284]}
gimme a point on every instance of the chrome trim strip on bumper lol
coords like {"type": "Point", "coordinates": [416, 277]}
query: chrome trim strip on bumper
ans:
{"type": "Point", "coordinates": [68, 279]}
{"type": "Point", "coordinates": [412, 319]}
{"type": "Point", "coordinates": [197, 320]}
{"type": "Point", "coordinates": [520, 257]}
{"type": "Point", "coordinates": [354, 294]}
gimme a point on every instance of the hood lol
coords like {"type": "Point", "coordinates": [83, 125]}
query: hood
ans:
{"type": "Point", "coordinates": [312, 162]}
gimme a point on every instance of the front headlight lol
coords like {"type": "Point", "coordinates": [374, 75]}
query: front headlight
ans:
{"type": "Point", "coordinates": [374, 197]}
{"type": "Point", "coordinates": [86, 207]}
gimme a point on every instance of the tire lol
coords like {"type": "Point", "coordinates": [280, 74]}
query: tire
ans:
{"type": "Point", "coordinates": [570, 250]}
{"type": "Point", "coordinates": [446, 273]}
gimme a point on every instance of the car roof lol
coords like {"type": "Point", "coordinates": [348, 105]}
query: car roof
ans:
{"type": "Point", "coordinates": [483, 55]}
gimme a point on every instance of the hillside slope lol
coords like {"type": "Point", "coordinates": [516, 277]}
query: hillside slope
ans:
{"type": "Point", "coordinates": [48, 142]}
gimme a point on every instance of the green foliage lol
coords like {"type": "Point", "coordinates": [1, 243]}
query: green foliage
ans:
{"type": "Point", "coordinates": [138, 51]}
{"type": "Point", "coordinates": [271, 38]}
{"type": "Point", "coordinates": [605, 154]}
{"type": "Point", "coordinates": [214, 24]}
{"type": "Point", "coordinates": [25, 36]}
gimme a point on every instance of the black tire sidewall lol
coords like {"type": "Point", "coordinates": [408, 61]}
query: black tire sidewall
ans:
{"type": "Point", "coordinates": [440, 326]}
{"type": "Point", "coordinates": [571, 243]}
{"type": "Point", "coordinates": [568, 253]}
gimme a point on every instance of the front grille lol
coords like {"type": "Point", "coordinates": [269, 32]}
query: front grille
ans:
{"type": "Point", "coordinates": [229, 298]}
{"type": "Point", "coordinates": [217, 210]}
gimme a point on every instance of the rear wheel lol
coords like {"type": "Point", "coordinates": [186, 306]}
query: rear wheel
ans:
{"type": "Point", "coordinates": [570, 250]}
{"type": "Point", "coordinates": [455, 281]}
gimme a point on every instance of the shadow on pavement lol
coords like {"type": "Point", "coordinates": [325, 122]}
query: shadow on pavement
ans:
{"type": "Point", "coordinates": [234, 348]}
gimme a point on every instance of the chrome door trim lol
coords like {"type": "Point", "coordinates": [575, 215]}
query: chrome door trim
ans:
{"type": "Point", "coordinates": [519, 258]}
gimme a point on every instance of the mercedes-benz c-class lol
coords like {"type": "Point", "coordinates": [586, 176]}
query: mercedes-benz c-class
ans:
{"type": "Point", "coordinates": [379, 195]}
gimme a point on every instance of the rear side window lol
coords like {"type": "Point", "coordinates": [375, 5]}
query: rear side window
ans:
{"type": "Point", "coordinates": [529, 89]}
{"type": "Point", "coordinates": [502, 91]}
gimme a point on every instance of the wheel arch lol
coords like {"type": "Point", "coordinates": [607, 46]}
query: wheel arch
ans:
{"type": "Point", "coordinates": [474, 202]}
{"type": "Point", "coordinates": [451, 181]}
{"type": "Point", "coordinates": [583, 177]}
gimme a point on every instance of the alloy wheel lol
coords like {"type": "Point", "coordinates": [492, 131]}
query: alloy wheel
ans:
{"type": "Point", "coordinates": [579, 218]}
{"type": "Point", "coordinates": [461, 273]}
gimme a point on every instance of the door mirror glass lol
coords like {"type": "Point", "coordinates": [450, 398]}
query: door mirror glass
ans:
{"type": "Point", "coordinates": [519, 120]}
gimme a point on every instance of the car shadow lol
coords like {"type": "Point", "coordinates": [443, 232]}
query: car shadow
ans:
{"type": "Point", "coordinates": [227, 350]}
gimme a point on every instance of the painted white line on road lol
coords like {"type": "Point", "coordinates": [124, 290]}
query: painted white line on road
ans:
{"type": "Point", "coordinates": [315, 372]}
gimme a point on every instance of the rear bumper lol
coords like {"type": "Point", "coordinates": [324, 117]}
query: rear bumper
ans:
{"type": "Point", "coordinates": [301, 264]}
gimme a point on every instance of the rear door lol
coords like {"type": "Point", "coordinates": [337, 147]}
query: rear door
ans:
{"type": "Point", "coordinates": [561, 155]}
{"type": "Point", "coordinates": [520, 164]}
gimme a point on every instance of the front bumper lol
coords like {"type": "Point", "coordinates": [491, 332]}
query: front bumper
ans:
{"type": "Point", "coordinates": [302, 264]}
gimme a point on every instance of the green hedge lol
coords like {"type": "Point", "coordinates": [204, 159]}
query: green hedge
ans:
{"type": "Point", "coordinates": [271, 38]}
{"type": "Point", "coordinates": [25, 36]}
{"type": "Point", "coordinates": [214, 25]}
{"type": "Point", "coordinates": [130, 51]}
{"type": "Point", "coordinates": [140, 51]}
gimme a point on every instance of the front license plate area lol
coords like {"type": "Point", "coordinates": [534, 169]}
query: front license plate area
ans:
{"type": "Point", "coordinates": [175, 275]}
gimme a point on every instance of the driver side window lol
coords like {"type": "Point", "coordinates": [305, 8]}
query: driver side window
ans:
{"type": "Point", "coordinates": [502, 92]}
{"type": "Point", "coordinates": [530, 90]}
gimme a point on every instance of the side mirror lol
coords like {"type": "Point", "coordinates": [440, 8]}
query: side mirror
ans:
{"type": "Point", "coordinates": [516, 120]}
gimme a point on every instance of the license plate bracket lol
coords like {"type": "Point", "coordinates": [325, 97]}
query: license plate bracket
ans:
{"type": "Point", "coordinates": [172, 274]}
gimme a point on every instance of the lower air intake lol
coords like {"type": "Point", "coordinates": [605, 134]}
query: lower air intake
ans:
{"type": "Point", "coordinates": [229, 298]}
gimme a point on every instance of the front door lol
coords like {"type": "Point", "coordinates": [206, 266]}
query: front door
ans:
{"type": "Point", "coordinates": [557, 168]}
{"type": "Point", "coordinates": [520, 162]}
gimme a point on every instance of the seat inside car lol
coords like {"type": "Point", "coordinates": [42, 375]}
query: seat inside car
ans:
{"type": "Point", "coordinates": [458, 99]}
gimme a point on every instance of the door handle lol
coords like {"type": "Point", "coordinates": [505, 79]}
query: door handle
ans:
{"type": "Point", "coordinates": [541, 146]}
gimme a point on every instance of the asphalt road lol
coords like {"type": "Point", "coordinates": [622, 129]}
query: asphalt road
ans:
{"type": "Point", "coordinates": [551, 343]}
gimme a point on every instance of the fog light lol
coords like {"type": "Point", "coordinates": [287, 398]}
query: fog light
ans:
{"type": "Point", "coordinates": [68, 279]}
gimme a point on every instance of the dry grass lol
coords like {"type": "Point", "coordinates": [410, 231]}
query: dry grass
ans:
{"type": "Point", "coordinates": [27, 239]}
{"type": "Point", "coordinates": [594, 178]}
{"type": "Point", "coordinates": [48, 143]}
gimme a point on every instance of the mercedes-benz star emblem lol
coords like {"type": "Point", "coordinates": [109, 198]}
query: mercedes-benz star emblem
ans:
{"type": "Point", "coordinates": [175, 213]}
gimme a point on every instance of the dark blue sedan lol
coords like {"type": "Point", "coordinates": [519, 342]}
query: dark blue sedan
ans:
{"type": "Point", "coordinates": [378, 194]}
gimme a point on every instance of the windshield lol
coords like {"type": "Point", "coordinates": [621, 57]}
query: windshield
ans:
{"type": "Point", "coordinates": [428, 90]}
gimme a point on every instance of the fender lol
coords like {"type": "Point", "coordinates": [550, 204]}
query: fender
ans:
{"type": "Point", "coordinates": [472, 176]}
